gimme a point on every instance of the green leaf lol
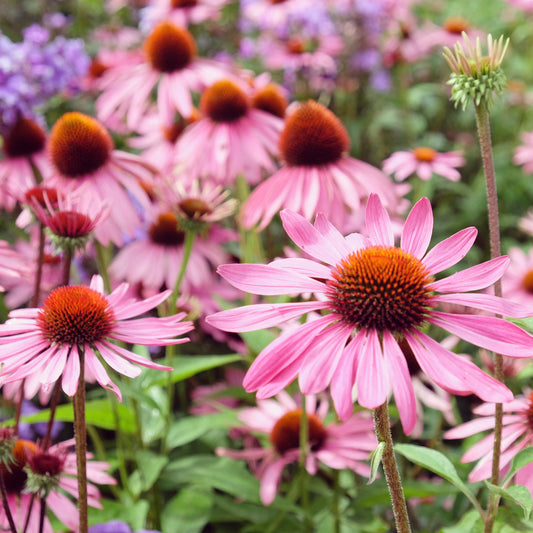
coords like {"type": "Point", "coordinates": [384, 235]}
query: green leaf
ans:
{"type": "Point", "coordinates": [256, 341]}
{"type": "Point", "coordinates": [521, 459]}
{"type": "Point", "coordinates": [517, 494]}
{"type": "Point", "coordinates": [150, 465]}
{"type": "Point", "coordinates": [188, 512]}
{"type": "Point", "coordinates": [134, 513]}
{"type": "Point", "coordinates": [375, 461]}
{"type": "Point", "coordinates": [186, 366]}
{"type": "Point", "coordinates": [471, 523]}
{"type": "Point", "coordinates": [190, 428]}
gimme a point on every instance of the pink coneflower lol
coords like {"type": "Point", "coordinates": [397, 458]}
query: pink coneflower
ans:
{"type": "Point", "coordinates": [517, 282]}
{"type": "Point", "coordinates": [233, 138]}
{"type": "Point", "coordinates": [23, 151]}
{"type": "Point", "coordinates": [12, 264]}
{"type": "Point", "coordinates": [374, 293]}
{"type": "Point", "coordinates": [154, 261]}
{"type": "Point", "coordinates": [524, 5]}
{"type": "Point", "coordinates": [183, 12]}
{"type": "Point", "coordinates": [424, 162]}
{"type": "Point", "coordinates": [168, 61]}
{"type": "Point", "coordinates": [47, 340]}
{"type": "Point", "coordinates": [523, 154]}
{"type": "Point", "coordinates": [84, 159]}
{"type": "Point", "coordinates": [517, 434]}
{"type": "Point", "coordinates": [58, 461]}
{"type": "Point", "coordinates": [273, 14]}
{"type": "Point", "coordinates": [339, 446]}
{"type": "Point", "coordinates": [318, 175]}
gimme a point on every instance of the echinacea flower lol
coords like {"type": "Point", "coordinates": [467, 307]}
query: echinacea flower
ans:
{"type": "Point", "coordinates": [424, 162]}
{"type": "Point", "coordinates": [318, 175]}
{"type": "Point", "coordinates": [83, 156]}
{"type": "Point", "coordinates": [167, 62]}
{"type": "Point", "coordinates": [372, 294]}
{"type": "Point", "coordinates": [182, 12]}
{"type": "Point", "coordinates": [11, 263]}
{"type": "Point", "coordinates": [517, 434]}
{"type": "Point", "coordinates": [338, 445]}
{"type": "Point", "coordinates": [58, 465]}
{"type": "Point", "coordinates": [232, 138]}
{"type": "Point", "coordinates": [47, 340]}
{"type": "Point", "coordinates": [517, 282]}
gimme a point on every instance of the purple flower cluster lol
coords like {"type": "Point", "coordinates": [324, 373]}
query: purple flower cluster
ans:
{"type": "Point", "coordinates": [35, 69]}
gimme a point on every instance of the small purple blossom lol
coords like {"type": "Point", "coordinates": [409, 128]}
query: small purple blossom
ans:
{"type": "Point", "coordinates": [117, 526]}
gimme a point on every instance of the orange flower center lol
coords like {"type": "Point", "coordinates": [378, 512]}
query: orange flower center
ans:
{"type": "Point", "coordinates": [194, 207]}
{"type": "Point", "coordinates": [14, 476]}
{"type": "Point", "coordinates": [224, 101]}
{"type": "Point", "coordinates": [270, 99]}
{"type": "Point", "coordinates": [295, 46]}
{"type": "Point", "coordinates": [79, 145]}
{"type": "Point", "coordinates": [285, 434]}
{"type": "Point", "coordinates": [176, 4]}
{"type": "Point", "coordinates": [165, 230]}
{"type": "Point", "coordinates": [97, 68]}
{"type": "Point", "coordinates": [382, 288]}
{"type": "Point", "coordinates": [75, 315]}
{"type": "Point", "coordinates": [25, 139]}
{"type": "Point", "coordinates": [527, 282]}
{"type": "Point", "coordinates": [425, 154]}
{"type": "Point", "coordinates": [456, 25]}
{"type": "Point", "coordinates": [313, 136]}
{"type": "Point", "coordinates": [169, 47]}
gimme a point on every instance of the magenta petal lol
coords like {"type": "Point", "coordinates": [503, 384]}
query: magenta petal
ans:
{"type": "Point", "coordinates": [322, 357]}
{"type": "Point", "coordinates": [494, 334]}
{"type": "Point", "coordinates": [470, 428]}
{"type": "Point", "coordinates": [450, 251]}
{"type": "Point", "coordinates": [268, 280]}
{"type": "Point", "coordinates": [271, 479]}
{"type": "Point", "coordinates": [473, 278]}
{"type": "Point", "coordinates": [378, 224]}
{"type": "Point", "coordinates": [372, 378]}
{"type": "Point", "coordinates": [259, 316]}
{"type": "Point", "coordinates": [455, 374]}
{"type": "Point", "coordinates": [487, 302]}
{"type": "Point", "coordinates": [308, 238]}
{"type": "Point", "coordinates": [418, 228]}
{"type": "Point", "coordinates": [71, 373]}
{"type": "Point", "coordinates": [400, 380]}
{"type": "Point", "coordinates": [343, 379]}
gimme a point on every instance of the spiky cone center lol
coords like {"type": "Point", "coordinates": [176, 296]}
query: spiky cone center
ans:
{"type": "Point", "coordinates": [46, 463]}
{"type": "Point", "coordinates": [97, 69]}
{"type": "Point", "coordinates": [295, 46]}
{"type": "Point", "coordinates": [169, 47]}
{"type": "Point", "coordinates": [381, 287]}
{"type": "Point", "coordinates": [14, 475]}
{"type": "Point", "coordinates": [285, 434]}
{"type": "Point", "coordinates": [75, 315]}
{"type": "Point", "coordinates": [177, 4]}
{"type": "Point", "coordinates": [270, 99]}
{"type": "Point", "coordinates": [70, 224]}
{"type": "Point", "coordinates": [194, 208]}
{"type": "Point", "coordinates": [224, 101]}
{"type": "Point", "coordinates": [456, 25]}
{"type": "Point", "coordinates": [527, 281]}
{"type": "Point", "coordinates": [38, 194]}
{"type": "Point", "coordinates": [24, 139]}
{"type": "Point", "coordinates": [277, 1]}
{"type": "Point", "coordinates": [529, 413]}
{"type": "Point", "coordinates": [79, 145]}
{"type": "Point", "coordinates": [313, 136]}
{"type": "Point", "coordinates": [165, 230]}
{"type": "Point", "coordinates": [424, 154]}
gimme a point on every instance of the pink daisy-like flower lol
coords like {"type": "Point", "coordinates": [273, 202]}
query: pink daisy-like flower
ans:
{"type": "Point", "coordinates": [372, 294]}
{"type": "Point", "coordinates": [233, 138]}
{"type": "Point", "coordinates": [168, 61]}
{"type": "Point", "coordinates": [523, 154]}
{"type": "Point", "coordinates": [47, 340]}
{"type": "Point", "coordinates": [183, 12]}
{"type": "Point", "coordinates": [424, 162]}
{"type": "Point", "coordinates": [273, 14]}
{"type": "Point", "coordinates": [517, 282]}
{"type": "Point", "coordinates": [58, 461]}
{"type": "Point", "coordinates": [339, 446]}
{"type": "Point", "coordinates": [517, 434]}
{"type": "Point", "coordinates": [318, 175]}
{"type": "Point", "coordinates": [524, 5]}
{"type": "Point", "coordinates": [84, 159]}
{"type": "Point", "coordinates": [24, 150]}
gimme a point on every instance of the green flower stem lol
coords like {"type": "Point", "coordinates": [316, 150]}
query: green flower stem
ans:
{"type": "Point", "coordinates": [56, 395]}
{"type": "Point", "coordinates": [483, 128]}
{"type": "Point", "coordinates": [392, 475]}
{"type": "Point", "coordinates": [81, 445]}
{"type": "Point", "coordinates": [304, 478]}
{"type": "Point", "coordinates": [335, 504]}
{"type": "Point", "coordinates": [187, 249]}
{"type": "Point", "coordinates": [39, 270]}
{"type": "Point", "coordinates": [102, 257]}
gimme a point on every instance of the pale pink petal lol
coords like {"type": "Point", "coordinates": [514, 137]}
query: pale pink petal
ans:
{"type": "Point", "coordinates": [271, 479]}
{"type": "Point", "coordinates": [378, 224]}
{"type": "Point", "coordinates": [418, 228]}
{"type": "Point", "coordinates": [303, 266]}
{"type": "Point", "coordinates": [486, 302]}
{"type": "Point", "coordinates": [71, 373]}
{"type": "Point", "coordinates": [332, 235]}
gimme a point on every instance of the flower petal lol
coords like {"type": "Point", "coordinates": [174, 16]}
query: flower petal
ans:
{"type": "Point", "coordinates": [378, 224]}
{"type": "Point", "coordinates": [418, 228]}
{"type": "Point", "coordinates": [487, 302]}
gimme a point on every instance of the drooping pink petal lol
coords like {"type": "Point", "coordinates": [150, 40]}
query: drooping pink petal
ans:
{"type": "Point", "coordinates": [378, 224]}
{"type": "Point", "coordinates": [400, 380]}
{"type": "Point", "coordinates": [450, 251]}
{"type": "Point", "coordinates": [71, 374]}
{"type": "Point", "coordinates": [271, 479]}
{"type": "Point", "coordinates": [486, 302]}
{"type": "Point", "coordinates": [418, 228]}
{"type": "Point", "coordinates": [372, 377]}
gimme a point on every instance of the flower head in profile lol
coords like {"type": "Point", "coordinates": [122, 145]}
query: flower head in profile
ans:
{"type": "Point", "coordinates": [373, 293]}
{"type": "Point", "coordinates": [476, 77]}
{"type": "Point", "coordinates": [343, 445]}
{"type": "Point", "coordinates": [517, 434]}
{"type": "Point", "coordinates": [424, 162]}
{"type": "Point", "coordinates": [47, 341]}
